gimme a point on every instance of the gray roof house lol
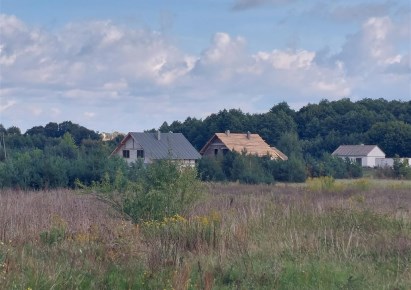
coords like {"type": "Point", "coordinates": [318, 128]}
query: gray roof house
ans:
{"type": "Point", "coordinates": [364, 155]}
{"type": "Point", "coordinates": [156, 146]}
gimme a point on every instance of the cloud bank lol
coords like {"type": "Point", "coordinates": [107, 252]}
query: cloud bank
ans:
{"type": "Point", "coordinates": [112, 77]}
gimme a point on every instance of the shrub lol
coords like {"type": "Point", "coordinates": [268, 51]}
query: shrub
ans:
{"type": "Point", "coordinates": [210, 169]}
{"type": "Point", "coordinates": [401, 169]}
{"type": "Point", "coordinates": [164, 189]}
{"type": "Point", "coordinates": [57, 232]}
{"type": "Point", "coordinates": [323, 183]}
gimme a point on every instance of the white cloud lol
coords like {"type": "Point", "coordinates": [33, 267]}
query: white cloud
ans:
{"type": "Point", "coordinates": [374, 48]}
{"type": "Point", "coordinates": [89, 114]}
{"type": "Point", "coordinates": [287, 59]}
{"type": "Point", "coordinates": [7, 105]}
{"type": "Point", "coordinates": [36, 111]}
{"type": "Point", "coordinates": [120, 75]}
{"type": "Point", "coordinates": [55, 112]}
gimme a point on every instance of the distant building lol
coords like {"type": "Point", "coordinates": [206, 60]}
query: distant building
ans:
{"type": "Point", "coordinates": [221, 143]}
{"type": "Point", "coordinates": [109, 136]}
{"type": "Point", "coordinates": [364, 155]}
{"type": "Point", "coordinates": [149, 147]}
{"type": "Point", "coordinates": [389, 162]}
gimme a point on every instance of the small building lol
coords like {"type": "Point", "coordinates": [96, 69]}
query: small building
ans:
{"type": "Point", "coordinates": [156, 146]}
{"type": "Point", "coordinates": [389, 162]}
{"type": "Point", "coordinates": [221, 143]}
{"type": "Point", "coordinates": [364, 155]}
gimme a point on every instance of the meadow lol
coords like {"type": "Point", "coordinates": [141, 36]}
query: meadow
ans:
{"type": "Point", "coordinates": [324, 234]}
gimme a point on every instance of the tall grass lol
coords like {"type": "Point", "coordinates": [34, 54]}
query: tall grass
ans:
{"type": "Point", "coordinates": [354, 236]}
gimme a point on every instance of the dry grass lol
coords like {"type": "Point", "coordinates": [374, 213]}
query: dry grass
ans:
{"type": "Point", "coordinates": [386, 197]}
{"type": "Point", "coordinates": [24, 214]}
{"type": "Point", "coordinates": [355, 236]}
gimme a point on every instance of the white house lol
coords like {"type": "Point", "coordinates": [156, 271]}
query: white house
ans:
{"type": "Point", "coordinates": [155, 146]}
{"type": "Point", "coordinates": [364, 155]}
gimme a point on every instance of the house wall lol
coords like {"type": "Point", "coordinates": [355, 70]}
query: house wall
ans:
{"type": "Point", "coordinates": [370, 159]}
{"type": "Point", "coordinates": [132, 146]}
{"type": "Point", "coordinates": [366, 161]}
{"type": "Point", "coordinates": [377, 153]}
{"type": "Point", "coordinates": [215, 144]}
{"type": "Point", "coordinates": [354, 158]}
{"type": "Point", "coordinates": [389, 162]}
{"type": "Point", "coordinates": [186, 162]}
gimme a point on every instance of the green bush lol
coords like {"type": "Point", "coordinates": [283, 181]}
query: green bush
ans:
{"type": "Point", "coordinates": [323, 184]}
{"type": "Point", "coordinates": [210, 169]}
{"type": "Point", "coordinates": [57, 232]}
{"type": "Point", "coordinates": [401, 168]}
{"type": "Point", "coordinates": [163, 189]}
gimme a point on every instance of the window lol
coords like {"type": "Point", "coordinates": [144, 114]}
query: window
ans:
{"type": "Point", "coordinates": [126, 153]}
{"type": "Point", "coordinates": [140, 153]}
{"type": "Point", "coordinates": [225, 151]}
{"type": "Point", "coordinates": [215, 151]}
{"type": "Point", "coordinates": [358, 161]}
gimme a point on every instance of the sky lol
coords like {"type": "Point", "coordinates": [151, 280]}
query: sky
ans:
{"type": "Point", "coordinates": [130, 65]}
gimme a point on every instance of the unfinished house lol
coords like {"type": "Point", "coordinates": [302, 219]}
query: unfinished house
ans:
{"type": "Point", "coordinates": [221, 143]}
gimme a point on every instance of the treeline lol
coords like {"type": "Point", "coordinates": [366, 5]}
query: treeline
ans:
{"type": "Point", "coordinates": [56, 155]}
{"type": "Point", "coordinates": [253, 170]}
{"type": "Point", "coordinates": [67, 154]}
{"type": "Point", "coordinates": [320, 128]}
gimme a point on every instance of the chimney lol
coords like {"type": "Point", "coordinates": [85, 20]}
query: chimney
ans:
{"type": "Point", "coordinates": [248, 135]}
{"type": "Point", "coordinates": [227, 132]}
{"type": "Point", "coordinates": [158, 135]}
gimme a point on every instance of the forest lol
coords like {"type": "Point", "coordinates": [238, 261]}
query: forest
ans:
{"type": "Point", "coordinates": [68, 154]}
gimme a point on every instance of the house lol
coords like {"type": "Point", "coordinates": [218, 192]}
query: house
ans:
{"type": "Point", "coordinates": [221, 143]}
{"type": "Point", "coordinates": [364, 155]}
{"type": "Point", "coordinates": [156, 146]}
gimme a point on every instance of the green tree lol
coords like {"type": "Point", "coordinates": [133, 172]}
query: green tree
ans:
{"type": "Point", "coordinates": [36, 130]}
{"type": "Point", "coordinates": [210, 169]}
{"type": "Point", "coordinates": [393, 137]}
{"type": "Point", "coordinates": [52, 130]}
{"type": "Point", "coordinates": [13, 130]}
{"type": "Point", "coordinates": [401, 168]}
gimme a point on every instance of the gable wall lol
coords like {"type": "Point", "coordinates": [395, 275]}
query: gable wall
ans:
{"type": "Point", "coordinates": [376, 152]}
{"type": "Point", "coordinates": [132, 146]}
{"type": "Point", "coordinates": [370, 159]}
{"type": "Point", "coordinates": [215, 144]}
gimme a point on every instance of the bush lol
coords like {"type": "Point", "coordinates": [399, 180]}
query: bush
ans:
{"type": "Point", "coordinates": [336, 167]}
{"type": "Point", "coordinates": [401, 169]}
{"type": "Point", "coordinates": [164, 189]}
{"type": "Point", "coordinates": [323, 184]}
{"type": "Point", "coordinates": [210, 169]}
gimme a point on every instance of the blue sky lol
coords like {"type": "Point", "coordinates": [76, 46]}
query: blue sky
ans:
{"type": "Point", "coordinates": [130, 65]}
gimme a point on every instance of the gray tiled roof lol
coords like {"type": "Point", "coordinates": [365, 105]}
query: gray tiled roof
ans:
{"type": "Point", "coordinates": [170, 146]}
{"type": "Point", "coordinates": [353, 150]}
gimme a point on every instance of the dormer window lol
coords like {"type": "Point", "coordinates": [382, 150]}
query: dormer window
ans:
{"type": "Point", "coordinates": [140, 153]}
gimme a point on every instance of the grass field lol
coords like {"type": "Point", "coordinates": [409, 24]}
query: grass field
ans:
{"type": "Point", "coordinates": [323, 235]}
